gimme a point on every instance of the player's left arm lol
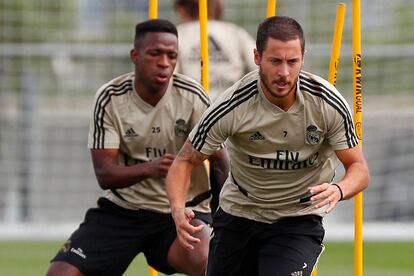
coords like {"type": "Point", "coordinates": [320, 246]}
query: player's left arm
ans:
{"type": "Point", "coordinates": [219, 166]}
{"type": "Point", "coordinates": [355, 179]}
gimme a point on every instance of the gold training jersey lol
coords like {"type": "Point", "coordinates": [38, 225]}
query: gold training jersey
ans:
{"type": "Point", "coordinates": [142, 132]}
{"type": "Point", "coordinates": [276, 155]}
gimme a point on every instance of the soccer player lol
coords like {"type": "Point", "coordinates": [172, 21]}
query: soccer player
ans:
{"type": "Point", "coordinates": [230, 46]}
{"type": "Point", "coordinates": [230, 54]}
{"type": "Point", "coordinates": [285, 130]}
{"type": "Point", "coordinates": [140, 120]}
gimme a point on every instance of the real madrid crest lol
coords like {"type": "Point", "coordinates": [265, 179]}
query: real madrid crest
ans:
{"type": "Point", "coordinates": [181, 129]}
{"type": "Point", "coordinates": [313, 136]}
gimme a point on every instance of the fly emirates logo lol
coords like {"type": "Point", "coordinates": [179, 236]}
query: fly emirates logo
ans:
{"type": "Point", "coordinates": [285, 160]}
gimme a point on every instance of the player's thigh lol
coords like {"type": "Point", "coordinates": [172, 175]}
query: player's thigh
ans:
{"type": "Point", "coordinates": [291, 246]}
{"type": "Point", "coordinates": [232, 247]}
{"type": "Point", "coordinates": [62, 268]}
{"type": "Point", "coordinates": [290, 255]}
{"type": "Point", "coordinates": [163, 251]}
{"type": "Point", "coordinates": [192, 262]}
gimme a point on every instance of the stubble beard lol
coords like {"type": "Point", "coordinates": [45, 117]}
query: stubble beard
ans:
{"type": "Point", "coordinates": [271, 92]}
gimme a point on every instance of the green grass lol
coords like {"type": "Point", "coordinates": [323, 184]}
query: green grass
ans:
{"type": "Point", "coordinates": [26, 258]}
{"type": "Point", "coordinates": [380, 259]}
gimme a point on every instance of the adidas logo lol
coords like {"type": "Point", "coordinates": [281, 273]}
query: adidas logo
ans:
{"type": "Point", "coordinates": [215, 51]}
{"type": "Point", "coordinates": [130, 133]}
{"type": "Point", "coordinates": [256, 136]}
{"type": "Point", "coordinates": [297, 273]}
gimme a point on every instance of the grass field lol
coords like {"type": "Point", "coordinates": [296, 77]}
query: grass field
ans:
{"type": "Point", "coordinates": [24, 258]}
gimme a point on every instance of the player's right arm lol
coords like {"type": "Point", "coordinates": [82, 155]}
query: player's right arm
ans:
{"type": "Point", "coordinates": [111, 175]}
{"type": "Point", "coordinates": [177, 184]}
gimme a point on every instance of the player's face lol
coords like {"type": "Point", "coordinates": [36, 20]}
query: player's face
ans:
{"type": "Point", "coordinates": [280, 65]}
{"type": "Point", "coordinates": [155, 59]}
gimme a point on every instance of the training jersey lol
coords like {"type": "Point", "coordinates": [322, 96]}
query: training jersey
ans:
{"type": "Point", "coordinates": [122, 120]}
{"type": "Point", "coordinates": [230, 54]}
{"type": "Point", "coordinates": [276, 155]}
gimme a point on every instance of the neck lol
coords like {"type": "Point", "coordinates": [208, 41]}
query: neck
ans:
{"type": "Point", "coordinates": [150, 95]}
{"type": "Point", "coordinates": [283, 102]}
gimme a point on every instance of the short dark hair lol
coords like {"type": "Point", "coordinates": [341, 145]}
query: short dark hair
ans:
{"type": "Point", "coordinates": [281, 28]}
{"type": "Point", "coordinates": [215, 8]}
{"type": "Point", "coordinates": [153, 26]}
{"type": "Point", "coordinates": [190, 6]}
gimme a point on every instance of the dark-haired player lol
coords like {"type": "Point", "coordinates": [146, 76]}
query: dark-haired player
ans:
{"type": "Point", "coordinates": [285, 130]}
{"type": "Point", "coordinates": [140, 120]}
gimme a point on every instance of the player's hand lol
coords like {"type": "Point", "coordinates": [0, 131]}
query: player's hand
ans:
{"type": "Point", "coordinates": [325, 194]}
{"type": "Point", "coordinates": [186, 231]}
{"type": "Point", "coordinates": [159, 167]}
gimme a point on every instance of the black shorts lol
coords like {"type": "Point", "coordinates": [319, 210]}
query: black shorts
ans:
{"type": "Point", "coordinates": [239, 246]}
{"type": "Point", "coordinates": [111, 236]}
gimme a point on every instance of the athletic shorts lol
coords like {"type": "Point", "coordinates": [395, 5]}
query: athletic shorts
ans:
{"type": "Point", "coordinates": [242, 247]}
{"type": "Point", "coordinates": [111, 236]}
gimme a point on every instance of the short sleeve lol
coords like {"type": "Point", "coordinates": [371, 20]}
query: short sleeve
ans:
{"type": "Point", "coordinates": [341, 132]}
{"type": "Point", "coordinates": [102, 129]}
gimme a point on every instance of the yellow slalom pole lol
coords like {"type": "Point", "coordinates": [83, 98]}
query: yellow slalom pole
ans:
{"type": "Point", "coordinates": [202, 18]}
{"type": "Point", "coordinates": [152, 14]}
{"type": "Point", "coordinates": [202, 15]}
{"type": "Point", "coordinates": [153, 9]}
{"type": "Point", "coordinates": [357, 85]}
{"type": "Point", "coordinates": [336, 43]}
{"type": "Point", "coordinates": [336, 50]}
{"type": "Point", "coordinates": [152, 271]}
{"type": "Point", "coordinates": [271, 8]}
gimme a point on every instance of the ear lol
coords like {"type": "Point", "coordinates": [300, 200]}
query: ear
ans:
{"type": "Point", "coordinates": [257, 57]}
{"type": "Point", "coordinates": [303, 58]}
{"type": "Point", "coordinates": [134, 56]}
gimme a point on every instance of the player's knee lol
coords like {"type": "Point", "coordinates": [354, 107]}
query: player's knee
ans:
{"type": "Point", "coordinates": [199, 259]}
{"type": "Point", "coordinates": [199, 266]}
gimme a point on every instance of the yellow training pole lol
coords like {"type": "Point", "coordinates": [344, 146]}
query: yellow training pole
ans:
{"type": "Point", "coordinates": [153, 9]}
{"type": "Point", "coordinates": [202, 15]}
{"type": "Point", "coordinates": [152, 272]}
{"type": "Point", "coordinates": [357, 85]}
{"type": "Point", "coordinates": [152, 14]}
{"type": "Point", "coordinates": [336, 43]}
{"type": "Point", "coordinates": [271, 8]}
{"type": "Point", "coordinates": [336, 50]}
{"type": "Point", "coordinates": [202, 18]}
